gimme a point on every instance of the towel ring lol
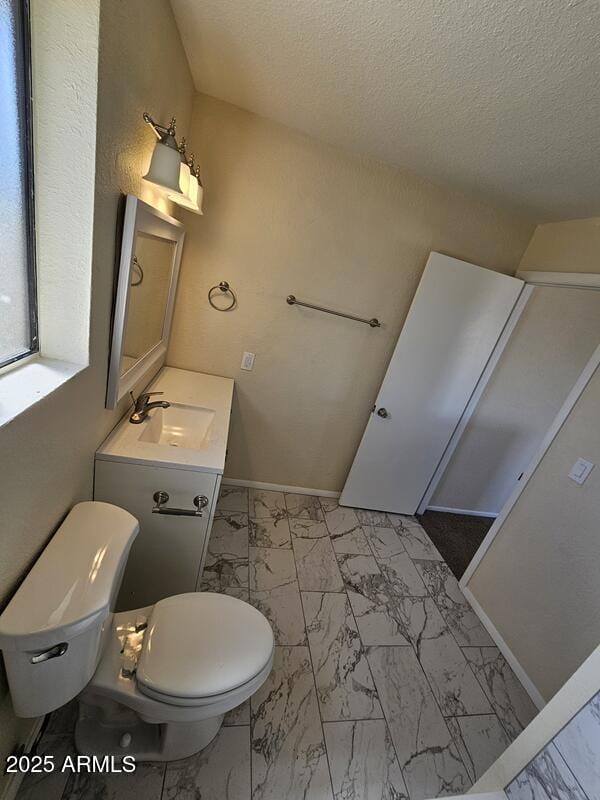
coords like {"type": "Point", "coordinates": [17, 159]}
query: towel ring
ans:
{"type": "Point", "coordinates": [136, 265]}
{"type": "Point", "coordinates": [223, 287]}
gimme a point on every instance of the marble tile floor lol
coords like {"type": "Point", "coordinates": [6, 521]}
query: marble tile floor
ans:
{"type": "Point", "coordinates": [385, 684]}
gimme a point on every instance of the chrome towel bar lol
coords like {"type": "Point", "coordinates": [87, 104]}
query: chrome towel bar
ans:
{"type": "Point", "coordinates": [292, 301]}
{"type": "Point", "coordinates": [162, 498]}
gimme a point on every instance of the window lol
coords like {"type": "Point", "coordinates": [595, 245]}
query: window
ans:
{"type": "Point", "coordinates": [18, 307]}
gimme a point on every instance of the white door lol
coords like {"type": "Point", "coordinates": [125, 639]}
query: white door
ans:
{"type": "Point", "coordinates": [456, 317]}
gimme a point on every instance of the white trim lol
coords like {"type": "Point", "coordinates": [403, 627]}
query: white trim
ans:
{"type": "Point", "coordinates": [483, 381]}
{"type": "Point", "coordinates": [279, 487]}
{"type": "Point", "coordinates": [140, 217]}
{"type": "Point", "coordinates": [467, 511]}
{"type": "Point", "coordinates": [573, 280]}
{"type": "Point", "coordinates": [20, 363]}
{"type": "Point", "coordinates": [558, 711]}
{"type": "Point", "coordinates": [560, 419]}
{"type": "Point", "coordinates": [523, 677]}
{"type": "Point", "coordinates": [14, 780]}
{"type": "Point", "coordinates": [22, 388]}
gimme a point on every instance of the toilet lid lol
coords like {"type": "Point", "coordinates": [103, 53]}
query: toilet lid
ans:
{"type": "Point", "coordinates": [202, 644]}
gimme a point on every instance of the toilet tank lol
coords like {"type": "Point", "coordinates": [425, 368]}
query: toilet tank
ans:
{"type": "Point", "coordinates": [51, 632]}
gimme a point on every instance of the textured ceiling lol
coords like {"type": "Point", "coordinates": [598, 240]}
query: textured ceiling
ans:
{"type": "Point", "coordinates": [500, 98]}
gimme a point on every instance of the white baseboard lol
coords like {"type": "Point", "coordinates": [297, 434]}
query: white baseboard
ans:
{"type": "Point", "coordinates": [469, 512]}
{"type": "Point", "coordinates": [13, 784]}
{"type": "Point", "coordinates": [279, 487]}
{"type": "Point", "coordinates": [516, 667]}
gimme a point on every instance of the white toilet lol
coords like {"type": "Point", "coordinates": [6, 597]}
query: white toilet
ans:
{"type": "Point", "coordinates": [153, 683]}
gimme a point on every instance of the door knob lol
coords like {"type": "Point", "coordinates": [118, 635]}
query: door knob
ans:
{"type": "Point", "coordinates": [382, 412]}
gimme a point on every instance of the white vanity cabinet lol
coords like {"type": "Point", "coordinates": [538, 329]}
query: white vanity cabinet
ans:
{"type": "Point", "coordinates": [179, 450]}
{"type": "Point", "coordinates": [168, 554]}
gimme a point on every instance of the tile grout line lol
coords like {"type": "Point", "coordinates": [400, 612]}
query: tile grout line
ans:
{"type": "Point", "coordinates": [492, 702]}
{"type": "Point", "coordinates": [164, 780]}
{"type": "Point", "coordinates": [250, 725]}
{"type": "Point", "coordinates": [250, 722]}
{"type": "Point", "coordinates": [410, 644]}
{"type": "Point", "coordinates": [314, 677]}
{"type": "Point", "coordinates": [471, 668]}
{"type": "Point", "coordinates": [250, 736]}
{"type": "Point", "coordinates": [428, 595]}
{"type": "Point", "coordinates": [570, 771]}
{"type": "Point", "coordinates": [364, 653]}
{"type": "Point", "coordinates": [364, 650]}
{"type": "Point", "coordinates": [450, 734]}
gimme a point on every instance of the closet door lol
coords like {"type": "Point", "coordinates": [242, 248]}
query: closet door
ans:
{"type": "Point", "coordinates": [454, 322]}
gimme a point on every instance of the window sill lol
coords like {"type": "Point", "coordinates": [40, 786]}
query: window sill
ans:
{"type": "Point", "coordinates": [23, 387]}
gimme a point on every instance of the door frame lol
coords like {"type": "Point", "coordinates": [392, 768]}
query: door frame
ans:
{"type": "Point", "coordinates": [483, 381]}
{"type": "Point", "coordinates": [580, 384]}
{"type": "Point", "coordinates": [532, 278]}
{"type": "Point", "coordinates": [586, 375]}
{"type": "Point", "coordinates": [571, 280]}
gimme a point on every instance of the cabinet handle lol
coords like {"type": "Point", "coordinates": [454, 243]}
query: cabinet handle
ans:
{"type": "Point", "coordinates": [162, 498]}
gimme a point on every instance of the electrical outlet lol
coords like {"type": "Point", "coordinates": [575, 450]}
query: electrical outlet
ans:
{"type": "Point", "coordinates": [248, 361]}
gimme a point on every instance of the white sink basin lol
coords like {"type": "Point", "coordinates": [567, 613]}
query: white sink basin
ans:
{"type": "Point", "coordinates": [179, 426]}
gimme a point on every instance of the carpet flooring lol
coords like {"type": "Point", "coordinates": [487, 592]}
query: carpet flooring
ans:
{"type": "Point", "coordinates": [456, 536]}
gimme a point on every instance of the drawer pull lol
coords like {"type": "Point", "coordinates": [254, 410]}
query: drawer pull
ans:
{"type": "Point", "coordinates": [162, 498]}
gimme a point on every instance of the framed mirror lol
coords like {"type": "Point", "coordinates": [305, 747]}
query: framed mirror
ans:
{"type": "Point", "coordinates": [151, 249]}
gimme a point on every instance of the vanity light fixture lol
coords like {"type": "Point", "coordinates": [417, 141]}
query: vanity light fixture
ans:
{"type": "Point", "coordinates": [200, 196]}
{"type": "Point", "coordinates": [192, 199]}
{"type": "Point", "coordinates": [184, 170]}
{"type": "Point", "coordinates": [193, 192]}
{"type": "Point", "coordinates": [165, 165]}
{"type": "Point", "coordinates": [171, 169]}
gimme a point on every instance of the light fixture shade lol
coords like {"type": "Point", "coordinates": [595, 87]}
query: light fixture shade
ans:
{"type": "Point", "coordinates": [200, 197]}
{"type": "Point", "coordinates": [190, 201]}
{"type": "Point", "coordinates": [193, 190]}
{"type": "Point", "coordinates": [185, 202]}
{"type": "Point", "coordinates": [165, 167]}
{"type": "Point", "coordinates": [184, 178]}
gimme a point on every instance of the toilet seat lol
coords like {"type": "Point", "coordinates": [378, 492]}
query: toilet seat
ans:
{"type": "Point", "coordinates": [201, 646]}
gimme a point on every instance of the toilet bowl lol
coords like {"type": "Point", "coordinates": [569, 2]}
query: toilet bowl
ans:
{"type": "Point", "coordinates": [153, 683]}
{"type": "Point", "coordinates": [179, 666]}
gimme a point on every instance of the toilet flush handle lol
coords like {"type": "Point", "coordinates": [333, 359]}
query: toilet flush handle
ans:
{"type": "Point", "coordinates": [54, 652]}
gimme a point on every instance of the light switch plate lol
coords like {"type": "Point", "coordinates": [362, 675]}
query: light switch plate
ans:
{"type": "Point", "coordinates": [580, 470]}
{"type": "Point", "coordinates": [248, 361]}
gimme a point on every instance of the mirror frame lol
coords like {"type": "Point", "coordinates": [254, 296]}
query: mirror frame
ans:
{"type": "Point", "coordinates": [140, 218]}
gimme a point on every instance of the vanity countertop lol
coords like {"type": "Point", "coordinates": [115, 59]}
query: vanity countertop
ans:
{"type": "Point", "coordinates": [186, 388]}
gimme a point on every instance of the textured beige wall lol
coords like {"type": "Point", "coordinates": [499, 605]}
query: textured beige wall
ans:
{"type": "Point", "coordinates": [571, 246]}
{"type": "Point", "coordinates": [538, 582]}
{"type": "Point", "coordinates": [46, 454]}
{"type": "Point", "coordinates": [287, 214]}
{"type": "Point", "coordinates": [552, 342]}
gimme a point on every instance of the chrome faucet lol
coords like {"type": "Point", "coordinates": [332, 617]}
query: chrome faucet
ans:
{"type": "Point", "coordinates": [142, 406]}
